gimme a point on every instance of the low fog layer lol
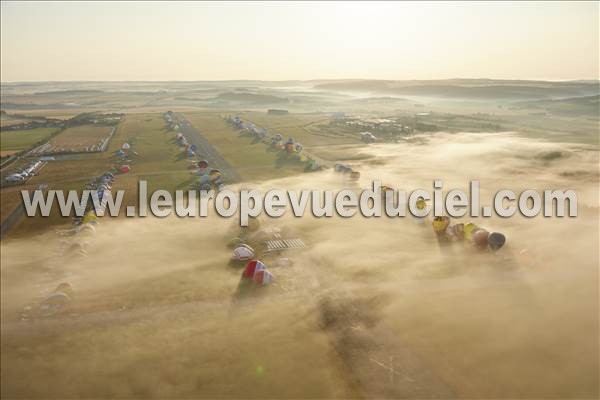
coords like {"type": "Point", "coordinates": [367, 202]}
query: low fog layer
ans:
{"type": "Point", "coordinates": [373, 307]}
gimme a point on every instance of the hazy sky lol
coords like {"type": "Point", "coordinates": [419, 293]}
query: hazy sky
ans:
{"type": "Point", "coordinates": [275, 41]}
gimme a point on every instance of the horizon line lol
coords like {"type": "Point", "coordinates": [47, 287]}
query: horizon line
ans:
{"type": "Point", "coordinates": [299, 80]}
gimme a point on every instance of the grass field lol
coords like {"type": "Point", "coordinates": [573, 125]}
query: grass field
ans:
{"type": "Point", "coordinates": [308, 129]}
{"type": "Point", "coordinates": [80, 137]}
{"type": "Point", "coordinates": [11, 198]}
{"type": "Point", "coordinates": [15, 141]}
{"type": "Point", "coordinates": [10, 120]}
{"type": "Point", "coordinates": [53, 113]}
{"type": "Point", "coordinates": [253, 160]}
{"type": "Point", "coordinates": [158, 161]}
{"type": "Point", "coordinates": [312, 131]}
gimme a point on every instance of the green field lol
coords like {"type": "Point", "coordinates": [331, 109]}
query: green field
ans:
{"type": "Point", "coordinates": [6, 120]}
{"type": "Point", "coordinates": [80, 137]}
{"type": "Point", "coordinates": [308, 129]}
{"type": "Point", "coordinates": [15, 141]}
{"type": "Point", "coordinates": [253, 160]}
{"type": "Point", "coordinates": [158, 161]}
{"type": "Point", "coordinates": [313, 131]}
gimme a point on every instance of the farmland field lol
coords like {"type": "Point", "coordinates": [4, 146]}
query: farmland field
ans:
{"type": "Point", "coordinates": [158, 161]}
{"type": "Point", "coordinates": [308, 129]}
{"type": "Point", "coordinates": [252, 159]}
{"type": "Point", "coordinates": [80, 137]}
{"type": "Point", "coordinates": [15, 141]}
{"type": "Point", "coordinates": [10, 120]}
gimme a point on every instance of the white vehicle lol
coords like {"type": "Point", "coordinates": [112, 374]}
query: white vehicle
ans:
{"type": "Point", "coordinates": [14, 178]}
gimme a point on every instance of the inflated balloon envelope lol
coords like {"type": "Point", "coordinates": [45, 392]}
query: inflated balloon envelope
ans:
{"type": "Point", "coordinates": [243, 253]}
{"type": "Point", "coordinates": [263, 277]}
{"type": "Point", "coordinates": [252, 268]}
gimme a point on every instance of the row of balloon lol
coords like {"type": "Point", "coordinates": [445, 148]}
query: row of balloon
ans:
{"type": "Point", "coordinates": [84, 229]}
{"type": "Point", "coordinates": [290, 146]}
{"type": "Point", "coordinates": [209, 178]}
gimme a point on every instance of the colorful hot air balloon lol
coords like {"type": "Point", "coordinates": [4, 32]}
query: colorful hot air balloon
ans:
{"type": "Point", "coordinates": [479, 237]}
{"type": "Point", "coordinates": [263, 277]}
{"type": "Point", "coordinates": [252, 268]}
{"type": "Point", "coordinates": [243, 253]}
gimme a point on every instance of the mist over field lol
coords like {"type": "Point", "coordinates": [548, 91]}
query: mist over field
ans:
{"type": "Point", "coordinates": [316, 97]}
{"type": "Point", "coordinates": [373, 307]}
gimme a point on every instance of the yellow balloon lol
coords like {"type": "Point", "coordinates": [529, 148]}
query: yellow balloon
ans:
{"type": "Point", "coordinates": [469, 228]}
{"type": "Point", "coordinates": [440, 224]}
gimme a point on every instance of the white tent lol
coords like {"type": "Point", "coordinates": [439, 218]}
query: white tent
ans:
{"type": "Point", "coordinates": [125, 146]}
